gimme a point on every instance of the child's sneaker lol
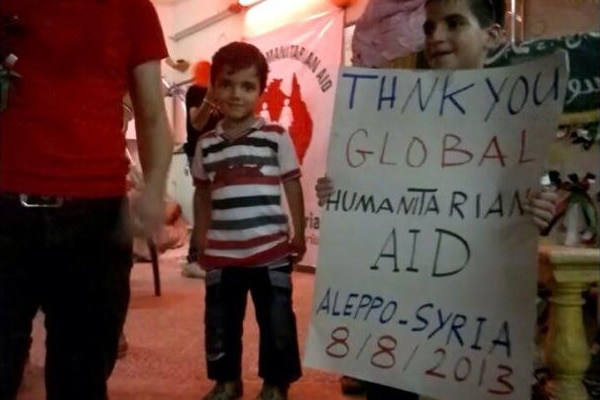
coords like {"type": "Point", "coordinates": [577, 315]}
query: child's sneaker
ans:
{"type": "Point", "coordinates": [193, 270]}
{"type": "Point", "coordinates": [228, 390]}
{"type": "Point", "coordinates": [273, 392]}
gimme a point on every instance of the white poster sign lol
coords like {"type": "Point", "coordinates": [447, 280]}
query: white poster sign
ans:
{"type": "Point", "coordinates": [426, 278]}
{"type": "Point", "coordinates": [304, 58]}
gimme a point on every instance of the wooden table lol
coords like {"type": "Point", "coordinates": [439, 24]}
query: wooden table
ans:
{"type": "Point", "coordinates": [568, 272]}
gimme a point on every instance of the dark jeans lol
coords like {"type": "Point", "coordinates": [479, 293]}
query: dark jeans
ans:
{"type": "Point", "coordinates": [380, 392]}
{"type": "Point", "coordinates": [226, 295]}
{"type": "Point", "coordinates": [73, 262]}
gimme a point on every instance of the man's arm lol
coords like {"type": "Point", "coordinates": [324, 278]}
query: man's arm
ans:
{"type": "Point", "coordinates": [295, 199]}
{"type": "Point", "coordinates": [155, 143]}
{"type": "Point", "coordinates": [199, 115]}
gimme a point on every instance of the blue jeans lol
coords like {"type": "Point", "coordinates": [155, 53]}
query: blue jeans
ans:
{"type": "Point", "coordinates": [74, 263]}
{"type": "Point", "coordinates": [226, 294]}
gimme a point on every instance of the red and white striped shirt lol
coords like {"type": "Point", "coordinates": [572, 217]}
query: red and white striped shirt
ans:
{"type": "Point", "coordinates": [248, 225]}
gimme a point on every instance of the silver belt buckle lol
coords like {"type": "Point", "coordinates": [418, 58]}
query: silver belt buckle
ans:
{"type": "Point", "coordinates": [40, 201]}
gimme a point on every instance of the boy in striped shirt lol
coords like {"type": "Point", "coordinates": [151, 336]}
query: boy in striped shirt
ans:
{"type": "Point", "coordinates": [239, 170]}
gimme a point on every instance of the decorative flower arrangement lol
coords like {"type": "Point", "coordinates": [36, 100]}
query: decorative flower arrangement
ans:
{"type": "Point", "coordinates": [10, 27]}
{"type": "Point", "coordinates": [577, 208]}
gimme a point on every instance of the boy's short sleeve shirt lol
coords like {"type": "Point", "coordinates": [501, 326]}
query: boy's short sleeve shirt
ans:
{"type": "Point", "coordinates": [286, 153]}
{"type": "Point", "coordinates": [248, 225]}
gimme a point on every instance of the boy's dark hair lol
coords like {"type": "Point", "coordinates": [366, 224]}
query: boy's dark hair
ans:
{"type": "Point", "coordinates": [487, 12]}
{"type": "Point", "coordinates": [237, 56]}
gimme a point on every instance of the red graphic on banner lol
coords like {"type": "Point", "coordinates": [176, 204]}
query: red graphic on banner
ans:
{"type": "Point", "coordinates": [290, 112]}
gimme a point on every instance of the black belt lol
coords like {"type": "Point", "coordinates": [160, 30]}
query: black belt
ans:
{"type": "Point", "coordinates": [41, 201]}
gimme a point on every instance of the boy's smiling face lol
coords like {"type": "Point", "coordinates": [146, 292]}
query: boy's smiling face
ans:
{"type": "Point", "coordinates": [454, 38]}
{"type": "Point", "coordinates": [237, 93]}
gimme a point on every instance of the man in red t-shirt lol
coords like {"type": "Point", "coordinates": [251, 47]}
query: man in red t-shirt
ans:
{"type": "Point", "coordinates": [65, 242]}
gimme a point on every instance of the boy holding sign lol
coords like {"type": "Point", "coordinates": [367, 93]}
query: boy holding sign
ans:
{"type": "Point", "coordinates": [458, 35]}
{"type": "Point", "coordinates": [239, 169]}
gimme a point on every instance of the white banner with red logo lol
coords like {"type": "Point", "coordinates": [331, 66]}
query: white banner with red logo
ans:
{"type": "Point", "coordinates": [304, 58]}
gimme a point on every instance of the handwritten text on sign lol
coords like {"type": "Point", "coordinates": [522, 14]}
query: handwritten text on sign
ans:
{"type": "Point", "coordinates": [427, 266]}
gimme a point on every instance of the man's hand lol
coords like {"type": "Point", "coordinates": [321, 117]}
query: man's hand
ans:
{"type": "Point", "coordinates": [150, 211]}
